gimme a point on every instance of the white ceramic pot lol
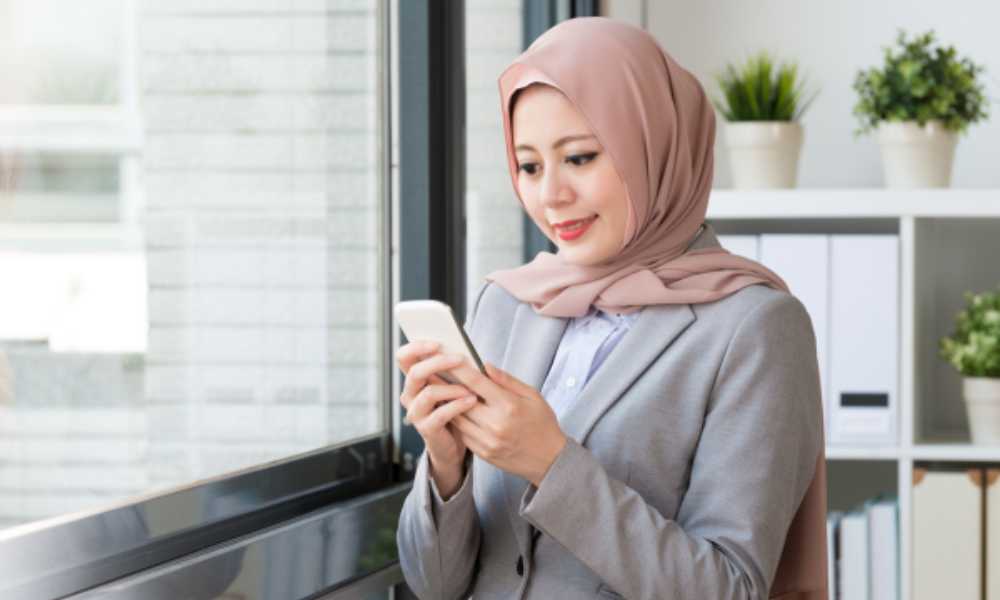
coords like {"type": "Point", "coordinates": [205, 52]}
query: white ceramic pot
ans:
{"type": "Point", "coordinates": [982, 401]}
{"type": "Point", "coordinates": [764, 154]}
{"type": "Point", "coordinates": [915, 156]}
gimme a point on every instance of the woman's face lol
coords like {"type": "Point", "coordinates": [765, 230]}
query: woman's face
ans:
{"type": "Point", "coordinates": [565, 175]}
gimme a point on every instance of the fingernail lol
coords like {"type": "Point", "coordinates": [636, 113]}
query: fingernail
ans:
{"type": "Point", "coordinates": [431, 345]}
{"type": "Point", "coordinates": [469, 398]}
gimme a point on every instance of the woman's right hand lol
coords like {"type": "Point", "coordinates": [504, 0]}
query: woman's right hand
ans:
{"type": "Point", "coordinates": [431, 403]}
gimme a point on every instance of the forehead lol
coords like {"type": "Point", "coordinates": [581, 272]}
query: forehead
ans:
{"type": "Point", "coordinates": [544, 112]}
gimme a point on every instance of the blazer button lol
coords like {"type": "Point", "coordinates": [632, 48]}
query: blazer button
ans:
{"type": "Point", "coordinates": [520, 566]}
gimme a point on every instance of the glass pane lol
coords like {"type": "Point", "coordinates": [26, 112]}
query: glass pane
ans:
{"type": "Point", "coordinates": [248, 326]}
{"type": "Point", "coordinates": [41, 187]}
{"type": "Point", "coordinates": [493, 214]}
{"type": "Point", "coordinates": [58, 52]}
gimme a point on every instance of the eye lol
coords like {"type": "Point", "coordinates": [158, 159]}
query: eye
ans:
{"type": "Point", "coordinates": [528, 168]}
{"type": "Point", "coordinates": [582, 159]}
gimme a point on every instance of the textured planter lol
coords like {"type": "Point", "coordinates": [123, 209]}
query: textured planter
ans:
{"type": "Point", "coordinates": [982, 401]}
{"type": "Point", "coordinates": [915, 156]}
{"type": "Point", "coordinates": [764, 154]}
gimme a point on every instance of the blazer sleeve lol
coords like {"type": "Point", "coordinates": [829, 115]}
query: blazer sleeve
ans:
{"type": "Point", "coordinates": [753, 464]}
{"type": "Point", "coordinates": [438, 540]}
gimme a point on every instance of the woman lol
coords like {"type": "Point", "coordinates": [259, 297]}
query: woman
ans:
{"type": "Point", "coordinates": [655, 430]}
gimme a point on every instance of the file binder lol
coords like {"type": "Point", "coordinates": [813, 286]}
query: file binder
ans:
{"type": "Point", "coordinates": [864, 338]}
{"type": "Point", "coordinates": [854, 557]}
{"type": "Point", "coordinates": [947, 534]}
{"type": "Point", "coordinates": [883, 545]}
{"type": "Point", "coordinates": [803, 262]}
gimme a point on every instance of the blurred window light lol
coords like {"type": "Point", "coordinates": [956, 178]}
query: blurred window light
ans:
{"type": "Point", "coordinates": [54, 188]}
{"type": "Point", "coordinates": [58, 52]}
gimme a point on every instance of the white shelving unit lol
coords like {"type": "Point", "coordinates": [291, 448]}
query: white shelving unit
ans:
{"type": "Point", "coordinates": [949, 242]}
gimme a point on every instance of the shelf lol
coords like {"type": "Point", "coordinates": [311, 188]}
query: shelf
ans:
{"type": "Point", "coordinates": [834, 203]}
{"type": "Point", "coordinates": [957, 452]}
{"type": "Point", "coordinates": [862, 453]}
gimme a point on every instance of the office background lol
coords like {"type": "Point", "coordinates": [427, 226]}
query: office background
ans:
{"type": "Point", "coordinates": [206, 209]}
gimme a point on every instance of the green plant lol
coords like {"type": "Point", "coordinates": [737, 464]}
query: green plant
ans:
{"type": "Point", "coordinates": [920, 81]}
{"type": "Point", "coordinates": [756, 91]}
{"type": "Point", "coordinates": [974, 346]}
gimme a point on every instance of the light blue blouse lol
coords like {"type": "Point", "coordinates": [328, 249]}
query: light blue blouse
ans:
{"type": "Point", "coordinates": [585, 344]}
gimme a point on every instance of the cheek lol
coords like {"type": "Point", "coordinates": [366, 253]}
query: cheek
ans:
{"type": "Point", "coordinates": [613, 205]}
{"type": "Point", "coordinates": [528, 193]}
{"type": "Point", "coordinates": [533, 206]}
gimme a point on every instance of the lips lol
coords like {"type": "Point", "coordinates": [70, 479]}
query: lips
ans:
{"type": "Point", "coordinates": [571, 230]}
{"type": "Point", "coordinates": [573, 222]}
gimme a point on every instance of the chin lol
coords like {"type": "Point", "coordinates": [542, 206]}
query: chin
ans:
{"type": "Point", "coordinates": [581, 258]}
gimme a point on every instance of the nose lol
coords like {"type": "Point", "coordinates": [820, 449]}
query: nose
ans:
{"type": "Point", "coordinates": [554, 190]}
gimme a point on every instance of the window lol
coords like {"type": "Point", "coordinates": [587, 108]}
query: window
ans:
{"type": "Point", "coordinates": [193, 246]}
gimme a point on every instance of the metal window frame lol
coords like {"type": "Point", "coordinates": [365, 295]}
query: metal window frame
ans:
{"type": "Point", "coordinates": [432, 166]}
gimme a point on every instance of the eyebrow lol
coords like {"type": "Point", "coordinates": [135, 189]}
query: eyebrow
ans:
{"type": "Point", "coordinates": [559, 142]}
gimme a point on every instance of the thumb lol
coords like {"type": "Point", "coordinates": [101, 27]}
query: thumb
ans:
{"type": "Point", "coordinates": [508, 381]}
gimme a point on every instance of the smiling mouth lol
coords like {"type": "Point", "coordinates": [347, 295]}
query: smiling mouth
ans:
{"type": "Point", "coordinates": [573, 225]}
{"type": "Point", "coordinates": [571, 230]}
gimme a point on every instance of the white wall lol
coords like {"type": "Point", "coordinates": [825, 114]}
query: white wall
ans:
{"type": "Point", "coordinates": [831, 41]}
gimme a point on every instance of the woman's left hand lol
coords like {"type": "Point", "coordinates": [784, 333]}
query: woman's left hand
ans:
{"type": "Point", "coordinates": [515, 429]}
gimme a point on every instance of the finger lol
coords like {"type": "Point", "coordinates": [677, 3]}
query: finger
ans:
{"type": "Point", "coordinates": [476, 381]}
{"type": "Point", "coordinates": [443, 414]}
{"type": "Point", "coordinates": [469, 427]}
{"type": "Point", "coordinates": [508, 381]}
{"type": "Point", "coordinates": [474, 447]}
{"type": "Point", "coordinates": [425, 402]}
{"type": "Point", "coordinates": [409, 354]}
{"type": "Point", "coordinates": [419, 373]}
{"type": "Point", "coordinates": [406, 400]}
{"type": "Point", "coordinates": [474, 438]}
{"type": "Point", "coordinates": [482, 415]}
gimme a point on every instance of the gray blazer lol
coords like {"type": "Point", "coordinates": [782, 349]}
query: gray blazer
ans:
{"type": "Point", "coordinates": [690, 450]}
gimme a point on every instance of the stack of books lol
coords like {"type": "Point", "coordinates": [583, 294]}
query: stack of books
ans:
{"type": "Point", "coordinates": [863, 550]}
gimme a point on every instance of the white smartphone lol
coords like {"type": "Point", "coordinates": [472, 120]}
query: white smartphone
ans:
{"type": "Point", "coordinates": [434, 321]}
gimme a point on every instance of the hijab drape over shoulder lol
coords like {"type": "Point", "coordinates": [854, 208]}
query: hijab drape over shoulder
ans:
{"type": "Point", "coordinates": [654, 120]}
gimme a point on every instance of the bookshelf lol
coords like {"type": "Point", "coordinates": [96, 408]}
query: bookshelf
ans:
{"type": "Point", "coordinates": [949, 241]}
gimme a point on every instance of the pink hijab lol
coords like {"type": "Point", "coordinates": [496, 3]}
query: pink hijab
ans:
{"type": "Point", "coordinates": [653, 119]}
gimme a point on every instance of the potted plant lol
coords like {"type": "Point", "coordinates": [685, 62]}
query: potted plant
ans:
{"type": "Point", "coordinates": [919, 102]}
{"type": "Point", "coordinates": [974, 350]}
{"type": "Point", "coordinates": [762, 107]}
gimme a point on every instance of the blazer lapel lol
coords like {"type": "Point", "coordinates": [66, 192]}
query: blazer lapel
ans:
{"type": "Point", "coordinates": [534, 339]}
{"type": "Point", "coordinates": [655, 328]}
